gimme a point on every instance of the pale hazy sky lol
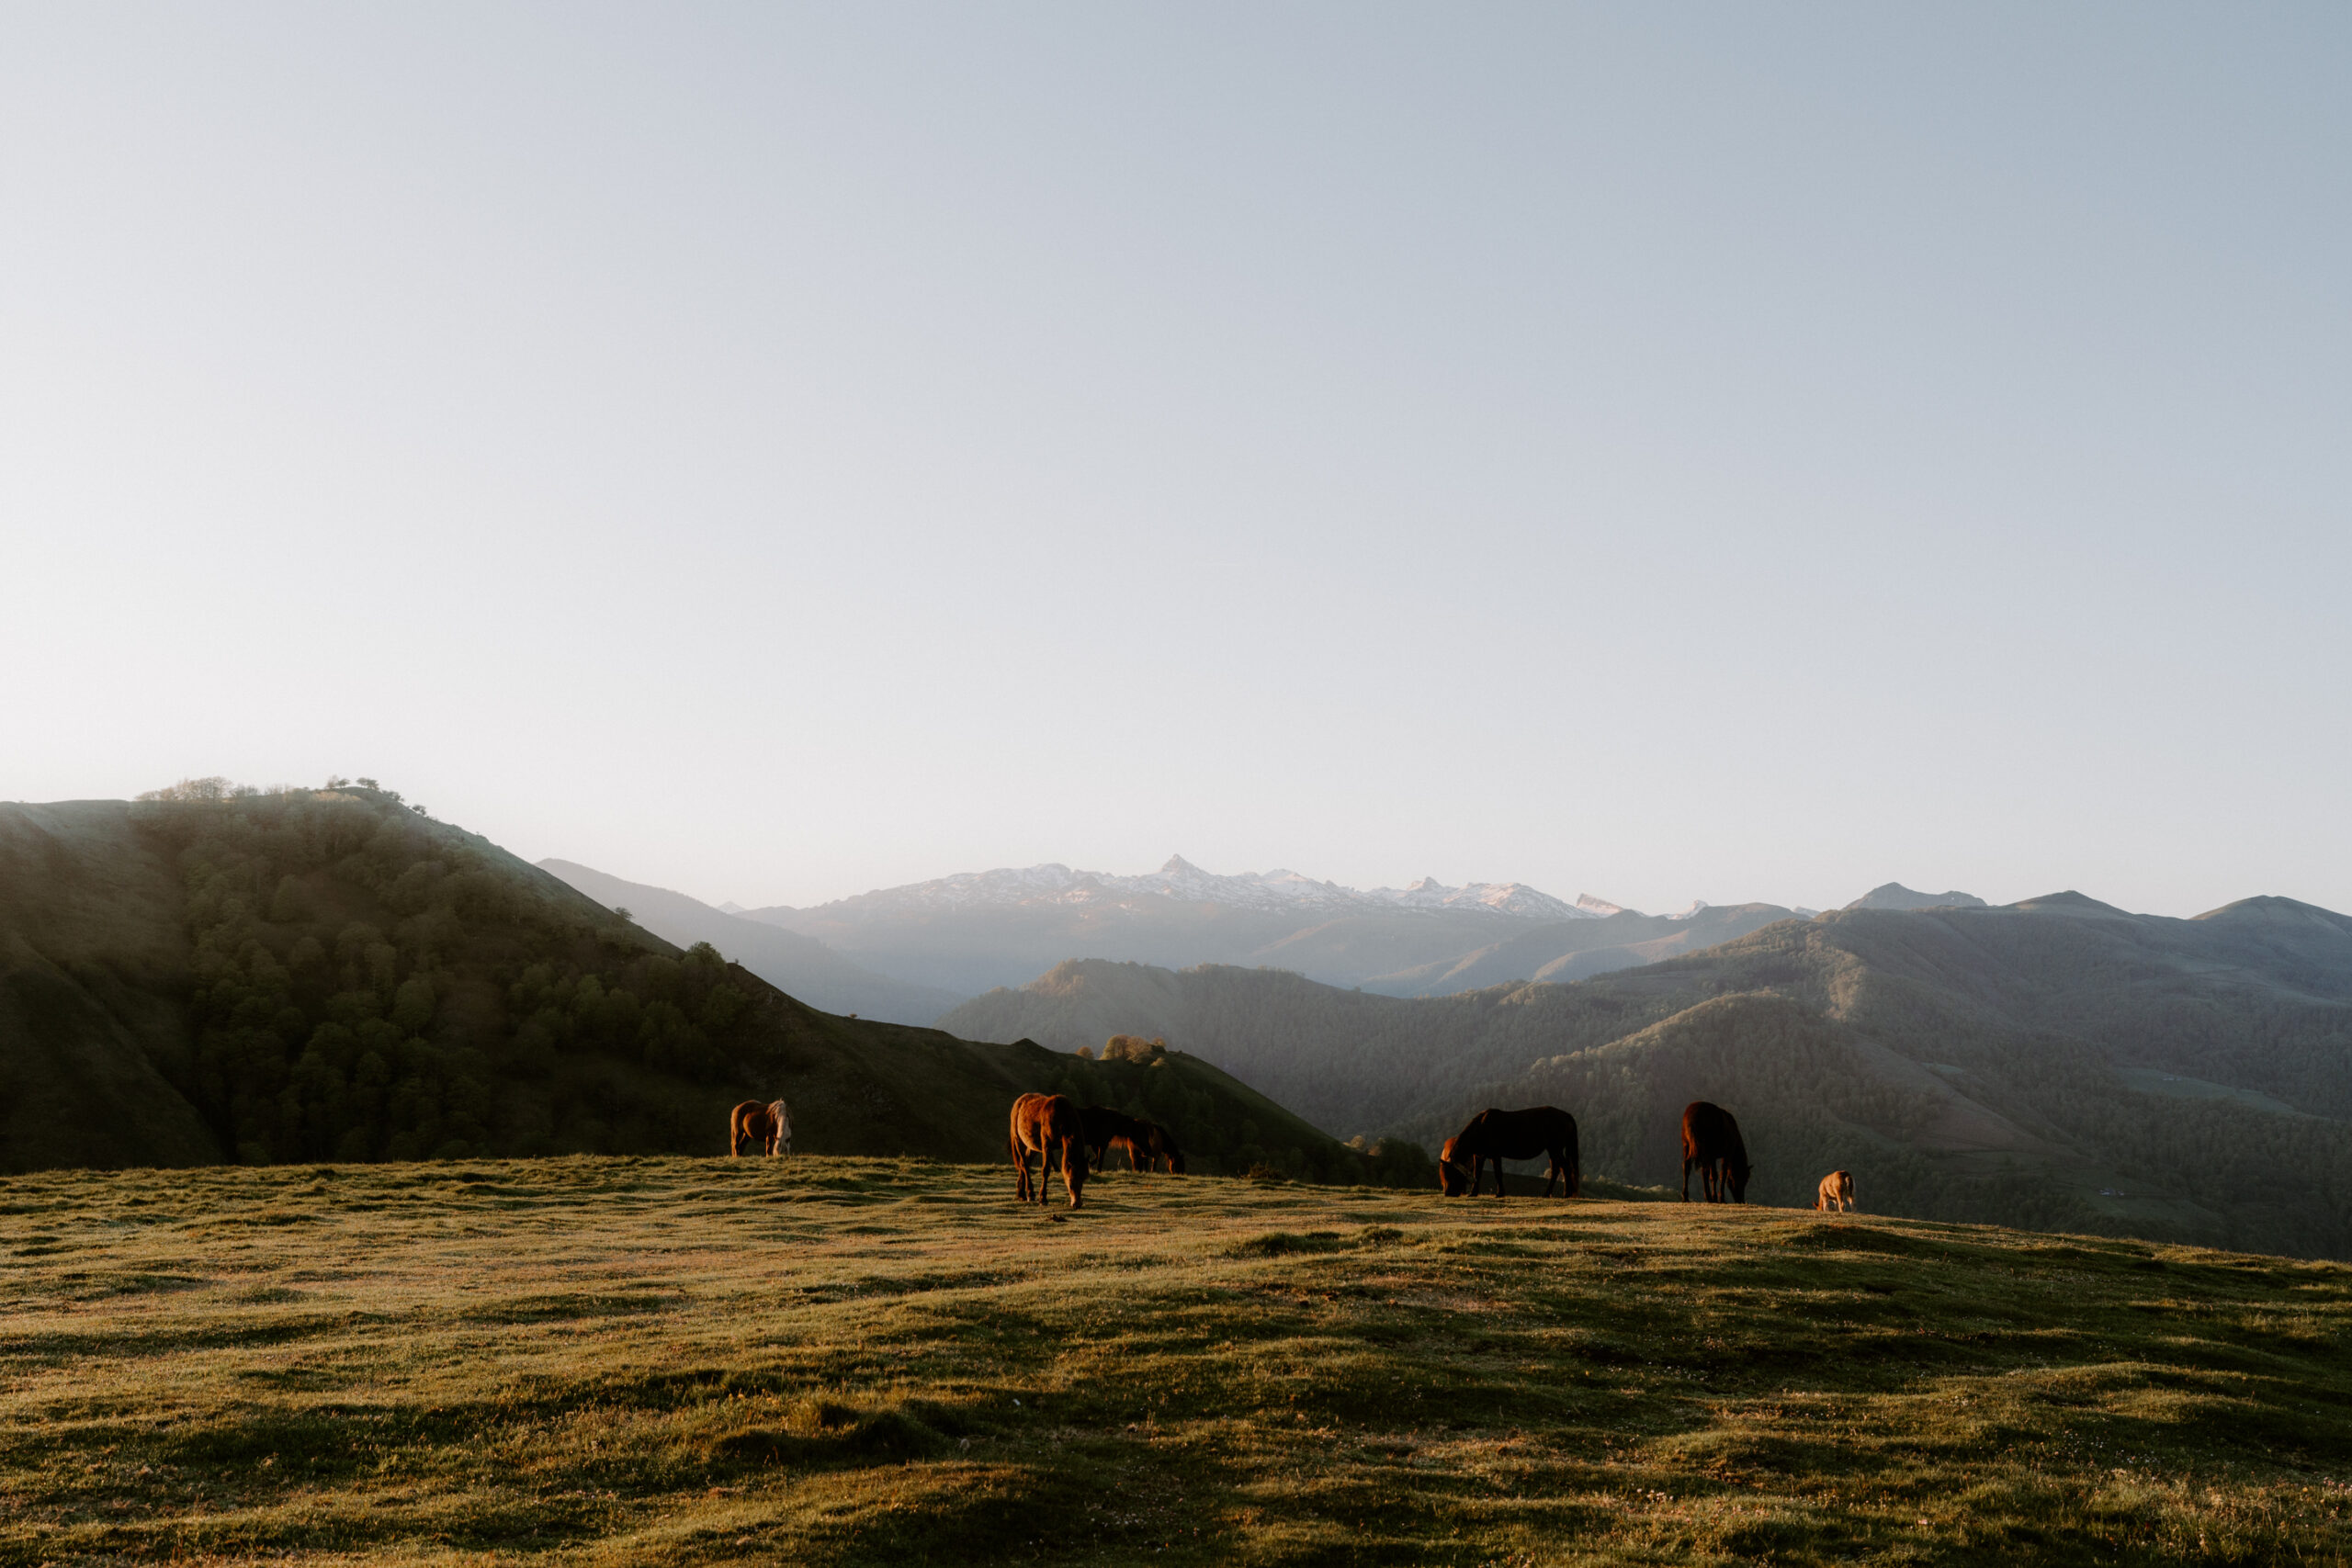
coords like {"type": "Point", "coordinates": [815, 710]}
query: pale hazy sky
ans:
{"type": "Point", "coordinates": [1668, 452]}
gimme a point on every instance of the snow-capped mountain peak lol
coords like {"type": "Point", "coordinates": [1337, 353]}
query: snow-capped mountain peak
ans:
{"type": "Point", "coordinates": [1180, 881]}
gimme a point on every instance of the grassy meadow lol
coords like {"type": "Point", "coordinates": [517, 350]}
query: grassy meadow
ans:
{"type": "Point", "coordinates": [679, 1360]}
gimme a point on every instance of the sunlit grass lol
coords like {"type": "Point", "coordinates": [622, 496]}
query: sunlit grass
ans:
{"type": "Point", "coordinates": [681, 1360]}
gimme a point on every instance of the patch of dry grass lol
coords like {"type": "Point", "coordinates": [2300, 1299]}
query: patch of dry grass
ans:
{"type": "Point", "coordinates": [684, 1361]}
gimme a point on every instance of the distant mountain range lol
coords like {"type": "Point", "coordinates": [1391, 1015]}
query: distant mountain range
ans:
{"type": "Point", "coordinates": [2056, 1063]}
{"type": "Point", "coordinates": [330, 976]}
{"type": "Point", "coordinates": [1181, 881]}
{"type": "Point", "coordinates": [981, 929]}
{"type": "Point", "coordinates": [785, 959]}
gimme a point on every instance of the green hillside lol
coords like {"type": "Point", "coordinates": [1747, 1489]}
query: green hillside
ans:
{"type": "Point", "coordinates": [829, 1361]}
{"type": "Point", "coordinates": [318, 974]}
{"type": "Point", "coordinates": [2052, 1063]}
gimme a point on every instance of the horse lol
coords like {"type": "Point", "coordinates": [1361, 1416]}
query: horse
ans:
{"type": "Point", "coordinates": [1153, 1143]}
{"type": "Point", "coordinates": [1107, 1128]}
{"type": "Point", "coordinates": [1498, 1135]}
{"type": "Point", "coordinates": [1837, 1192]}
{"type": "Point", "coordinates": [1046, 1123]}
{"type": "Point", "coordinates": [755, 1123]}
{"type": "Point", "coordinates": [1710, 1141]}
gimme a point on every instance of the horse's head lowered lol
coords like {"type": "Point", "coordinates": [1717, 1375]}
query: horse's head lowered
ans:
{"type": "Point", "coordinates": [1452, 1179]}
{"type": "Point", "coordinates": [783, 1127]}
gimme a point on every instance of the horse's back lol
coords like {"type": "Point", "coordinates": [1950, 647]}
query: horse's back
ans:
{"type": "Point", "coordinates": [1102, 1124]}
{"type": "Point", "coordinates": [1709, 1131]}
{"type": "Point", "coordinates": [1519, 1134]}
{"type": "Point", "coordinates": [1041, 1120]}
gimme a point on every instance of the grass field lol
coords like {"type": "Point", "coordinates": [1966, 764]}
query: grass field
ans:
{"type": "Point", "coordinates": [693, 1361]}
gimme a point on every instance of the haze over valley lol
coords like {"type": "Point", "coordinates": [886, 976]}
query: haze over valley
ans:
{"type": "Point", "coordinates": [974, 931]}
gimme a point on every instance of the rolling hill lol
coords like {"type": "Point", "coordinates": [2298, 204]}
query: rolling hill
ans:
{"type": "Point", "coordinates": [971, 932]}
{"type": "Point", "coordinates": [329, 974]}
{"type": "Point", "coordinates": [2056, 1062]}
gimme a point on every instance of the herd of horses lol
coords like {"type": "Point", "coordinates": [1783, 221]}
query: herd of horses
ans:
{"type": "Point", "coordinates": [1057, 1129]}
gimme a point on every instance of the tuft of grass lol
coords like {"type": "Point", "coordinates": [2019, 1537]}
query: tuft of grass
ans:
{"type": "Point", "coordinates": [682, 1361]}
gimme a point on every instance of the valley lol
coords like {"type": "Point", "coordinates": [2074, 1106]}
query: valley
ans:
{"type": "Point", "coordinates": [2021, 1064]}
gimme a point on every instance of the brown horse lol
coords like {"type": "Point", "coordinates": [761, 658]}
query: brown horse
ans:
{"type": "Point", "coordinates": [1837, 1192]}
{"type": "Point", "coordinates": [1107, 1128]}
{"type": "Point", "coordinates": [1498, 1135]}
{"type": "Point", "coordinates": [1046, 1123]}
{"type": "Point", "coordinates": [1153, 1143]}
{"type": "Point", "coordinates": [1710, 1141]}
{"type": "Point", "coordinates": [755, 1123]}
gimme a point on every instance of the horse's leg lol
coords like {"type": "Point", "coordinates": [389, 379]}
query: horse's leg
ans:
{"type": "Point", "coordinates": [1686, 1179]}
{"type": "Point", "coordinates": [1020, 1166]}
{"type": "Point", "coordinates": [1500, 1193]}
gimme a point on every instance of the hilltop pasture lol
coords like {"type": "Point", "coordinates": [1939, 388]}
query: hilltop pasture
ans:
{"type": "Point", "coordinates": [678, 1361]}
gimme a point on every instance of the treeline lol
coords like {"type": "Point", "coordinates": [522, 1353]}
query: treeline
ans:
{"type": "Point", "coordinates": [369, 985]}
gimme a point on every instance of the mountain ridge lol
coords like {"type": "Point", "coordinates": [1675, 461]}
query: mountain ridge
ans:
{"type": "Point", "coordinates": [303, 975]}
{"type": "Point", "coordinates": [978, 930]}
{"type": "Point", "coordinates": [786, 959]}
{"type": "Point", "coordinates": [1179, 880]}
{"type": "Point", "coordinates": [2055, 1062]}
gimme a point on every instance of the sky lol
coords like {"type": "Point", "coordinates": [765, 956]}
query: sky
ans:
{"type": "Point", "coordinates": [1715, 452]}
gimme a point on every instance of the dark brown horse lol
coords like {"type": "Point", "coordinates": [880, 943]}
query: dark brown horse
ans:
{"type": "Point", "coordinates": [754, 1124]}
{"type": "Point", "coordinates": [1047, 1123]}
{"type": "Point", "coordinates": [1107, 1128]}
{"type": "Point", "coordinates": [1152, 1143]}
{"type": "Point", "coordinates": [1710, 1141]}
{"type": "Point", "coordinates": [1498, 1135]}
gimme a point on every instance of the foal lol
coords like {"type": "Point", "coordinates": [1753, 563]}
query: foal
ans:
{"type": "Point", "coordinates": [1837, 1192]}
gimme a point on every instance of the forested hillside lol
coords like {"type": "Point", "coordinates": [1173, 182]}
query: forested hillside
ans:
{"type": "Point", "coordinates": [329, 974]}
{"type": "Point", "coordinates": [2052, 1063]}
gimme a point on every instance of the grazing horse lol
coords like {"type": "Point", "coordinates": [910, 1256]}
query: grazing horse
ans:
{"type": "Point", "coordinates": [1837, 1192]}
{"type": "Point", "coordinates": [1152, 1142]}
{"type": "Point", "coordinates": [1107, 1128]}
{"type": "Point", "coordinates": [1046, 1123]}
{"type": "Point", "coordinates": [1498, 1135]}
{"type": "Point", "coordinates": [1710, 1141]}
{"type": "Point", "coordinates": [751, 1122]}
